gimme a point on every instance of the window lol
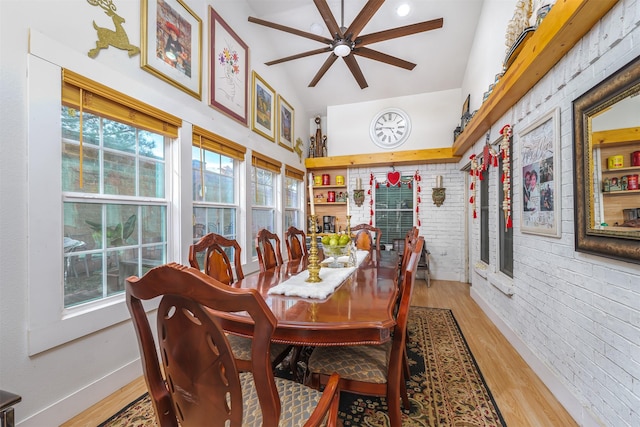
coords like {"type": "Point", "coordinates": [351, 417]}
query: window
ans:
{"type": "Point", "coordinates": [264, 174]}
{"type": "Point", "coordinates": [394, 211]}
{"type": "Point", "coordinates": [506, 234]}
{"type": "Point", "coordinates": [293, 197]}
{"type": "Point", "coordinates": [484, 218]}
{"type": "Point", "coordinates": [114, 204]}
{"type": "Point", "coordinates": [97, 178]}
{"type": "Point", "coordinates": [214, 163]}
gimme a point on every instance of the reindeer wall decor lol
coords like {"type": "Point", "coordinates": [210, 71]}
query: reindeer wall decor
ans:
{"type": "Point", "coordinates": [117, 38]}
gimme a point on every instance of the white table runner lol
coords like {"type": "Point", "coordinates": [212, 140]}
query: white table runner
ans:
{"type": "Point", "coordinates": [297, 286]}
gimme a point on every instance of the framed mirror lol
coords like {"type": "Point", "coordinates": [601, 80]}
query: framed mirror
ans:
{"type": "Point", "coordinates": [606, 122]}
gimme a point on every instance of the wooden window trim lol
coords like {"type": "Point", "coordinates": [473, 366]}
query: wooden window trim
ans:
{"type": "Point", "coordinates": [265, 162]}
{"type": "Point", "coordinates": [213, 142]}
{"type": "Point", "coordinates": [291, 172]}
{"type": "Point", "coordinates": [87, 95]}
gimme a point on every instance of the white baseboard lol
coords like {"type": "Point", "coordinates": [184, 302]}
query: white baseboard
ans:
{"type": "Point", "coordinates": [70, 406]}
{"type": "Point", "coordinates": [558, 389]}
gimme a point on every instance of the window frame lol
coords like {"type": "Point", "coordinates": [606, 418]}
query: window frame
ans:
{"type": "Point", "coordinates": [505, 235]}
{"type": "Point", "coordinates": [260, 161]}
{"type": "Point", "coordinates": [291, 173]}
{"type": "Point", "coordinates": [385, 234]}
{"type": "Point", "coordinates": [485, 219]}
{"type": "Point", "coordinates": [204, 140]}
{"type": "Point", "coordinates": [49, 323]}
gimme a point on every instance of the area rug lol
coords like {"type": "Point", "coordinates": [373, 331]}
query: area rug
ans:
{"type": "Point", "coordinates": [446, 387]}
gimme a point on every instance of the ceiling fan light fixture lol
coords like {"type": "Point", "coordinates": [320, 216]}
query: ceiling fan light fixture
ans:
{"type": "Point", "coordinates": [342, 48]}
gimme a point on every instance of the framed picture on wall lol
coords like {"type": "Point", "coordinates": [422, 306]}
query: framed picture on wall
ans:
{"type": "Point", "coordinates": [285, 123]}
{"type": "Point", "coordinates": [228, 69]}
{"type": "Point", "coordinates": [263, 107]}
{"type": "Point", "coordinates": [465, 115]}
{"type": "Point", "coordinates": [171, 42]}
{"type": "Point", "coordinates": [540, 166]}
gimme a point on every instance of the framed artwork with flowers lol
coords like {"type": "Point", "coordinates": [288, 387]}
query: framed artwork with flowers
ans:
{"type": "Point", "coordinates": [171, 44]}
{"type": "Point", "coordinates": [228, 69]}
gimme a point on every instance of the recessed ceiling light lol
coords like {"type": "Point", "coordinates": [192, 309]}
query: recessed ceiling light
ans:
{"type": "Point", "coordinates": [403, 9]}
{"type": "Point", "coordinates": [316, 28]}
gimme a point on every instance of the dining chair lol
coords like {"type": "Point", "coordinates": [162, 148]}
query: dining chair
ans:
{"type": "Point", "coordinates": [218, 266]}
{"type": "Point", "coordinates": [202, 384]}
{"type": "Point", "coordinates": [216, 260]}
{"type": "Point", "coordinates": [373, 369]}
{"type": "Point", "coordinates": [296, 242]}
{"type": "Point", "coordinates": [268, 248]}
{"type": "Point", "coordinates": [364, 240]}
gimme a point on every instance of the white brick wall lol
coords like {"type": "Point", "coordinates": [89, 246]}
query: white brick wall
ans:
{"type": "Point", "coordinates": [443, 227]}
{"type": "Point", "coordinates": [573, 316]}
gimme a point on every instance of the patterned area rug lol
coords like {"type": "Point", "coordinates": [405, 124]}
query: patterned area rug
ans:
{"type": "Point", "coordinates": [446, 387]}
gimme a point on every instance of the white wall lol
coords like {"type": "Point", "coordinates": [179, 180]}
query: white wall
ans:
{"type": "Point", "coordinates": [58, 383]}
{"type": "Point", "coordinates": [488, 51]}
{"type": "Point", "coordinates": [573, 317]}
{"type": "Point", "coordinates": [433, 118]}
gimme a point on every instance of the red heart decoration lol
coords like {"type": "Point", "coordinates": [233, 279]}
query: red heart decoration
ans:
{"type": "Point", "coordinates": [393, 178]}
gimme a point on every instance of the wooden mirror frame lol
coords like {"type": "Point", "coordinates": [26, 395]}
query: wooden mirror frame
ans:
{"type": "Point", "coordinates": [617, 244]}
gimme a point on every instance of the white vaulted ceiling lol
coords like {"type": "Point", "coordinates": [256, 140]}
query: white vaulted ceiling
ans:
{"type": "Point", "coordinates": [440, 54]}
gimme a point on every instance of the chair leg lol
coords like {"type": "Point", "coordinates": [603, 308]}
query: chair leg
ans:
{"type": "Point", "coordinates": [406, 404]}
{"type": "Point", "coordinates": [395, 414]}
{"type": "Point", "coordinates": [405, 365]}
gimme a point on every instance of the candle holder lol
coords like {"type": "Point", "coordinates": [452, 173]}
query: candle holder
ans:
{"type": "Point", "coordinates": [438, 195]}
{"type": "Point", "coordinates": [358, 197]}
{"type": "Point", "coordinates": [314, 266]}
{"type": "Point", "coordinates": [351, 252]}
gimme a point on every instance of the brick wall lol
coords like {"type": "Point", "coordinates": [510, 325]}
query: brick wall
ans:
{"type": "Point", "coordinates": [574, 317]}
{"type": "Point", "coordinates": [443, 227]}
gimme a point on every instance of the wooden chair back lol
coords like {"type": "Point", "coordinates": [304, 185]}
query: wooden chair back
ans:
{"type": "Point", "coordinates": [268, 248]}
{"type": "Point", "coordinates": [216, 260]}
{"type": "Point", "coordinates": [410, 241]}
{"type": "Point", "coordinates": [354, 363]}
{"type": "Point", "coordinates": [296, 242]}
{"type": "Point", "coordinates": [202, 384]}
{"type": "Point", "coordinates": [364, 239]}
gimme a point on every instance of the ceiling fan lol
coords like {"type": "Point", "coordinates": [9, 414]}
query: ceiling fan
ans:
{"type": "Point", "coordinates": [347, 43]}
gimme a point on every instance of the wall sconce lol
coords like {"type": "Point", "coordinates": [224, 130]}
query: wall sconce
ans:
{"type": "Point", "coordinates": [358, 193]}
{"type": "Point", "coordinates": [438, 195]}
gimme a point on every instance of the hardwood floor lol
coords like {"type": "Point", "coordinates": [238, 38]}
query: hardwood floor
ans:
{"type": "Point", "coordinates": [522, 398]}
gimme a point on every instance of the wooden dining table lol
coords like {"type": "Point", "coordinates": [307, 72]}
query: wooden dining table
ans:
{"type": "Point", "coordinates": [360, 311]}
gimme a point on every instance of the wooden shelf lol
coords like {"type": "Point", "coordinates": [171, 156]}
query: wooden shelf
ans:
{"type": "Point", "coordinates": [329, 203]}
{"type": "Point", "coordinates": [616, 137]}
{"type": "Point", "coordinates": [566, 23]}
{"type": "Point", "coordinates": [395, 158]}
{"type": "Point", "coordinates": [621, 193]}
{"type": "Point", "coordinates": [320, 187]}
{"type": "Point", "coordinates": [618, 170]}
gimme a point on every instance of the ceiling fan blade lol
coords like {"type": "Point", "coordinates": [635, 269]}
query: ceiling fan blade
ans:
{"type": "Point", "coordinates": [299, 55]}
{"type": "Point", "coordinates": [328, 18]}
{"type": "Point", "coordinates": [351, 62]}
{"type": "Point", "coordinates": [400, 32]}
{"type": "Point", "coordinates": [383, 57]}
{"type": "Point", "coordinates": [363, 18]}
{"type": "Point", "coordinates": [321, 72]}
{"type": "Point", "coordinates": [290, 30]}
